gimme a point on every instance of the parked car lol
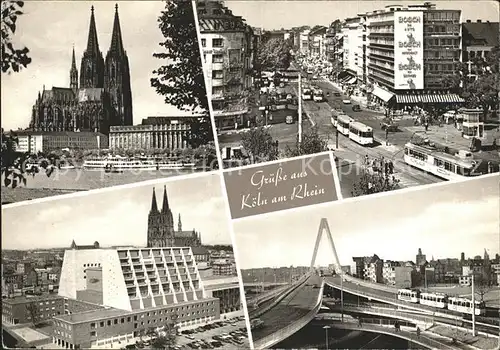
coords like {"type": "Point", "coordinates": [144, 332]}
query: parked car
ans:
{"type": "Point", "coordinates": [356, 108]}
{"type": "Point", "coordinates": [336, 94]}
{"type": "Point", "coordinates": [346, 101]}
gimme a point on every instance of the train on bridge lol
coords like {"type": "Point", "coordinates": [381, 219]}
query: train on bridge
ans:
{"type": "Point", "coordinates": [442, 301]}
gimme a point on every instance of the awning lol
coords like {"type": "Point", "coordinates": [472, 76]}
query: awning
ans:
{"type": "Point", "coordinates": [384, 95]}
{"type": "Point", "coordinates": [432, 98]}
{"type": "Point", "coordinates": [352, 80]}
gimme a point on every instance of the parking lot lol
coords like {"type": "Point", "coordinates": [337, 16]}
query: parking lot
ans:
{"type": "Point", "coordinates": [234, 330]}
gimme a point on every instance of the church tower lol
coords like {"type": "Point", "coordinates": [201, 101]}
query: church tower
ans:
{"type": "Point", "coordinates": [73, 74]}
{"type": "Point", "coordinates": [160, 224]}
{"type": "Point", "coordinates": [92, 67]}
{"type": "Point", "coordinates": [117, 76]}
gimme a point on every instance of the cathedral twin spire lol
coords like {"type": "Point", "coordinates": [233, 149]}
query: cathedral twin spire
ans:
{"type": "Point", "coordinates": [92, 66]}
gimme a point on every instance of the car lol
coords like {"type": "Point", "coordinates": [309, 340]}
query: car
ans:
{"type": "Point", "coordinates": [356, 108]}
{"type": "Point", "coordinates": [346, 101]}
{"type": "Point", "coordinates": [389, 126]}
{"type": "Point", "coordinates": [336, 94]}
{"type": "Point", "coordinates": [189, 337]}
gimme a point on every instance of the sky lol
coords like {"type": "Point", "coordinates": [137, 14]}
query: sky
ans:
{"type": "Point", "coordinates": [117, 217]}
{"type": "Point", "coordinates": [273, 14]}
{"type": "Point", "coordinates": [50, 29]}
{"type": "Point", "coordinates": [442, 220]}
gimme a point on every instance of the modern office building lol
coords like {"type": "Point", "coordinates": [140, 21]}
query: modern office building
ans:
{"type": "Point", "coordinates": [228, 55]}
{"type": "Point", "coordinates": [154, 132]}
{"type": "Point", "coordinates": [140, 288]}
{"type": "Point", "coordinates": [352, 30]}
{"type": "Point", "coordinates": [48, 141]}
{"type": "Point", "coordinates": [410, 51]}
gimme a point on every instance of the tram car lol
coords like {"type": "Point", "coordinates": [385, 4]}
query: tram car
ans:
{"type": "Point", "coordinates": [361, 133]}
{"type": "Point", "coordinates": [437, 300]}
{"type": "Point", "coordinates": [443, 165]}
{"type": "Point", "coordinates": [464, 306]}
{"type": "Point", "coordinates": [343, 122]}
{"type": "Point", "coordinates": [410, 295]}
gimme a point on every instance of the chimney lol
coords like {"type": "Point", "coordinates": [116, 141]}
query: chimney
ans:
{"type": "Point", "coordinates": [478, 21]}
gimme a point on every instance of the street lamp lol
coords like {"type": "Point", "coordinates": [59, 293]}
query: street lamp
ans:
{"type": "Point", "coordinates": [326, 328]}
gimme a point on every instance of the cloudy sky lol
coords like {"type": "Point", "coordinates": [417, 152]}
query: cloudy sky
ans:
{"type": "Point", "coordinates": [443, 220]}
{"type": "Point", "coordinates": [286, 14]}
{"type": "Point", "coordinates": [51, 28]}
{"type": "Point", "coordinates": [117, 217]}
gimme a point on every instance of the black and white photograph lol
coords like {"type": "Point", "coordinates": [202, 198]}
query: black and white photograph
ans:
{"type": "Point", "coordinates": [147, 266]}
{"type": "Point", "coordinates": [97, 94]}
{"type": "Point", "coordinates": [414, 269]}
{"type": "Point", "coordinates": [408, 84]}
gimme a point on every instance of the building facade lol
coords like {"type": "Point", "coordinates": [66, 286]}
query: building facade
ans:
{"type": "Point", "coordinates": [228, 55]}
{"type": "Point", "coordinates": [141, 288]}
{"type": "Point", "coordinates": [154, 132]}
{"type": "Point", "coordinates": [100, 98]}
{"type": "Point", "coordinates": [34, 309]}
{"type": "Point", "coordinates": [223, 267]}
{"type": "Point", "coordinates": [410, 51]}
{"type": "Point", "coordinates": [317, 42]}
{"type": "Point", "coordinates": [161, 229]}
{"type": "Point", "coordinates": [48, 141]}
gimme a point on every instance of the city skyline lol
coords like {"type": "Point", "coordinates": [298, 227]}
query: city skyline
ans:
{"type": "Point", "coordinates": [471, 206]}
{"type": "Point", "coordinates": [51, 53]}
{"type": "Point", "coordinates": [117, 217]}
{"type": "Point", "coordinates": [277, 14]}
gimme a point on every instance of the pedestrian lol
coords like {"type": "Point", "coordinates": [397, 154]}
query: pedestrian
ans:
{"type": "Point", "coordinates": [391, 167]}
{"type": "Point", "coordinates": [494, 144]}
{"type": "Point", "coordinates": [359, 323]}
{"type": "Point", "coordinates": [386, 167]}
{"type": "Point", "coordinates": [490, 168]}
{"type": "Point", "coordinates": [396, 326]}
{"type": "Point", "coordinates": [366, 159]}
{"type": "Point", "coordinates": [418, 332]}
{"type": "Point", "coordinates": [426, 125]}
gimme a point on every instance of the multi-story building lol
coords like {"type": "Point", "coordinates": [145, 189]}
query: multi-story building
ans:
{"type": "Point", "coordinates": [478, 38]}
{"type": "Point", "coordinates": [410, 51]}
{"type": "Point", "coordinates": [223, 267]}
{"type": "Point", "coordinates": [228, 56]}
{"type": "Point", "coordinates": [154, 132]}
{"type": "Point", "coordinates": [141, 288]}
{"type": "Point", "coordinates": [397, 274]}
{"type": "Point", "coordinates": [48, 141]}
{"type": "Point", "coordinates": [332, 43]}
{"type": "Point", "coordinates": [31, 309]}
{"type": "Point", "coordinates": [304, 42]}
{"type": "Point", "coordinates": [352, 42]}
{"type": "Point", "coordinates": [373, 270]}
{"type": "Point", "coordinates": [317, 41]}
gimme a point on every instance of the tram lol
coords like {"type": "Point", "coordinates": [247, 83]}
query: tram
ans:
{"type": "Point", "coordinates": [361, 133]}
{"type": "Point", "coordinates": [343, 122]}
{"type": "Point", "coordinates": [464, 306]}
{"type": "Point", "coordinates": [443, 165]}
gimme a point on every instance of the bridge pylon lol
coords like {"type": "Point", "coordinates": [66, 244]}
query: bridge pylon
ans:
{"type": "Point", "coordinates": [324, 228]}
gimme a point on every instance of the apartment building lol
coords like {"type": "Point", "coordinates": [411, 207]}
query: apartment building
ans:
{"type": "Point", "coordinates": [478, 39]}
{"type": "Point", "coordinates": [317, 41]}
{"type": "Point", "coordinates": [228, 55]}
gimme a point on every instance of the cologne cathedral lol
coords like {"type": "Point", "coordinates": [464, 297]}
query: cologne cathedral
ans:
{"type": "Point", "coordinates": [161, 229]}
{"type": "Point", "coordinates": [100, 98]}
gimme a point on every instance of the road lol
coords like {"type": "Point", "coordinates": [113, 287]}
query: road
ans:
{"type": "Point", "coordinates": [391, 296]}
{"type": "Point", "coordinates": [295, 305]}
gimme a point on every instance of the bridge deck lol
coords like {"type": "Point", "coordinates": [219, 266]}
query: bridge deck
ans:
{"type": "Point", "coordinates": [294, 306]}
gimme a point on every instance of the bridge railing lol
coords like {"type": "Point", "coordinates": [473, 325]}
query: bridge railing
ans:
{"type": "Point", "coordinates": [289, 330]}
{"type": "Point", "coordinates": [384, 326]}
{"type": "Point", "coordinates": [381, 311]}
{"type": "Point", "coordinates": [270, 294]}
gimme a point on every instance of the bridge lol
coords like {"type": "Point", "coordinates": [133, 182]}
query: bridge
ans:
{"type": "Point", "coordinates": [265, 284]}
{"type": "Point", "coordinates": [287, 311]}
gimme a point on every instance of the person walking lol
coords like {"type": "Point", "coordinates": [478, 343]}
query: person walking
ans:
{"type": "Point", "coordinates": [418, 332]}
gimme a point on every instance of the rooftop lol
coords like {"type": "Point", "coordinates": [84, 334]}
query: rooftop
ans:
{"type": "Point", "coordinates": [28, 299]}
{"type": "Point", "coordinates": [102, 314]}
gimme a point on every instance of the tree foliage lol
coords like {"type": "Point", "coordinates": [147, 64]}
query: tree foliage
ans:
{"type": "Point", "coordinates": [14, 164]}
{"type": "Point", "coordinates": [311, 143]}
{"type": "Point", "coordinates": [259, 145]}
{"type": "Point", "coordinates": [13, 59]}
{"type": "Point", "coordinates": [374, 180]}
{"type": "Point", "coordinates": [274, 54]}
{"type": "Point", "coordinates": [180, 79]}
{"type": "Point", "coordinates": [32, 309]}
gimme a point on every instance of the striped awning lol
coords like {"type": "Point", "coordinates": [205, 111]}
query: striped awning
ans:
{"type": "Point", "coordinates": [384, 95]}
{"type": "Point", "coordinates": [352, 80]}
{"type": "Point", "coordinates": [431, 98]}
